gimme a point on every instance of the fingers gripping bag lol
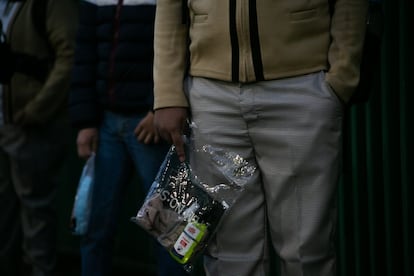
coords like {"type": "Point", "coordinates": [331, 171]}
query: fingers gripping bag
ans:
{"type": "Point", "coordinates": [182, 210]}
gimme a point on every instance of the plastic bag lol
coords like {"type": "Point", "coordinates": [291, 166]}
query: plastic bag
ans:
{"type": "Point", "coordinates": [83, 199]}
{"type": "Point", "coordinates": [182, 210]}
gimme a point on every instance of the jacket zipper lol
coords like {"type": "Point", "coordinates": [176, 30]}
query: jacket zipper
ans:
{"type": "Point", "coordinates": [243, 31]}
{"type": "Point", "coordinates": [249, 41]}
{"type": "Point", "coordinates": [235, 58]}
{"type": "Point", "coordinates": [255, 42]}
{"type": "Point", "coordinates": [115, 39]}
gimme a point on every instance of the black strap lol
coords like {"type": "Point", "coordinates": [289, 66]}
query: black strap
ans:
{"type": "Point", "coordinates": [12, 62]}
{"type": "Point", "coordinates": [6, 57]}
{"type": "Point", "coordinates": [2, 34]}
{"type": "Point", "coordinates": [32, 66]}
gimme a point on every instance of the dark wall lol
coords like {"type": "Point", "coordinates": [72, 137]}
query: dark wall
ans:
{"type": "Point", "coordinates": [376, 193]}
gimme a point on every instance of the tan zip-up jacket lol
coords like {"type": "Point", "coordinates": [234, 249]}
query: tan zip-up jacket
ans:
{"type": "Point", "coordinates": [40, 102]}
{"type": "Point", "coordinates": [254, 40]}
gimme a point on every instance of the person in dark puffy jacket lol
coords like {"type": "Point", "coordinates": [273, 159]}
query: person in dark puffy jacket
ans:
{"type": "Point", "coordinates": [111, 106]}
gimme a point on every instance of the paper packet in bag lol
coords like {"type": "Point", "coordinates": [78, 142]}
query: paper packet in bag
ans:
{"type": "Point", "coordinates": [181, 210]}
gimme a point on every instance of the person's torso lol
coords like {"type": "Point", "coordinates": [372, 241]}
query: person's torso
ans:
{"type": "Point", "coordinates": [124, 53]}
{"type": "Point", "coordinates": [258, 40]}
{"type": "Point", "coordinates": [113, 60]}
{"type": "Point", "coordinates": [41, 36]}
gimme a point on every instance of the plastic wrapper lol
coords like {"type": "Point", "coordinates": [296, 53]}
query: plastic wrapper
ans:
{"type": "Point", "coordinates": [83, 199]}
{"type": "Point", "coordinates": [182, 210]}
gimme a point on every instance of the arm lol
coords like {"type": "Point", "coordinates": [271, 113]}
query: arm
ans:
{"type": "Point", "coordinates": [170, 64]}
{"type": "Point", "coordinates": [61, 24]}
{"type": "Point", "coordinates": [347, 31]}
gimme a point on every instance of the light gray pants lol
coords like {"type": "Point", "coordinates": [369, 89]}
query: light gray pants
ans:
{"type": "Point", "coordinates": [291, 130]}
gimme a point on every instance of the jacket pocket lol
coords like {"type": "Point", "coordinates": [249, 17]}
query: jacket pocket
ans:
{"type": "Point", "coordinates": [304, 14]}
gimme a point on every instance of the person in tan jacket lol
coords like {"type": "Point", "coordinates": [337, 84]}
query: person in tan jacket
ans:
{"type": "Point", "coordinates": [40, 35]}
{"type": "Point", "coordinates": [269, 80]}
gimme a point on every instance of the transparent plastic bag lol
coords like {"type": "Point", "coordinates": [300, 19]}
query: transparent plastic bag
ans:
{"type": "Point", "coordinates": [182, 210]}
{"type": "Point", "coordinates": [83, 199]}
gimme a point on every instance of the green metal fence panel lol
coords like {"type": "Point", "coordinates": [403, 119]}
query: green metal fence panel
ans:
{"type": "Point", "coordinates": [376, 193]}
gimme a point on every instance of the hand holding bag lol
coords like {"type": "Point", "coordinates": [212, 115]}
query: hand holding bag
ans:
{"type": "Point", "coordinates": [184, 206]}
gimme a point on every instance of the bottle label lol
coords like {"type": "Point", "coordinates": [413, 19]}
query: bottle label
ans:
{"type": "Point", "coordinates": [184, 245]}
{"type": "Point", "coordinates": [188, 240]}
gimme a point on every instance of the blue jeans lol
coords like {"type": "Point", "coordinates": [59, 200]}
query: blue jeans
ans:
{"type": "Point", "coordinates": [118, 154]}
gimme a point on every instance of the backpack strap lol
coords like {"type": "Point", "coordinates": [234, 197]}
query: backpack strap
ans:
{"type": "Point", "coordinates": [30, 65]}
{"type": "Point", "coordinates": [2, 34]}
